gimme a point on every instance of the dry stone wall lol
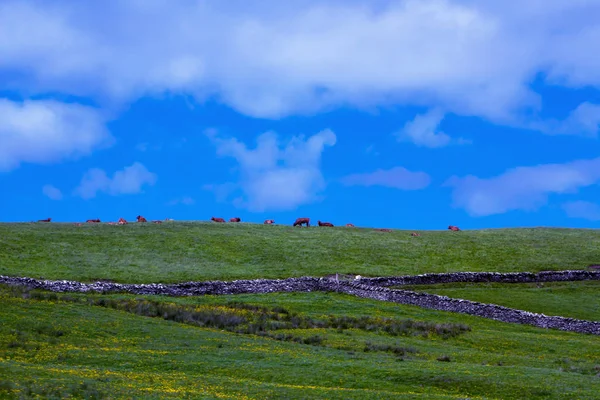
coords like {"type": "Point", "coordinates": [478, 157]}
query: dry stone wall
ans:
{"type": "Point", "coordinates": [372, 288]}
{"type": "Point", "coordinates": [510, 277]}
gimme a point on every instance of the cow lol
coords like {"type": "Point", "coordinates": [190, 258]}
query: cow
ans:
{"type": "Point", "coordinates": [93, 221]}
{"type": "Point", "coordinates": [235, 219]}
{"type": "Point", "coordinates": [383, 230]}
{"type": "Point", "coordinates": [217, 219]}
{"type": "Point", "coordinates": [349, 225]}
{"type": "Point", "coordinates": [141, 219]}
{"type": "Point", "coordinates": [415, 234]}
{"type": "Point", "coordinates": [454, 228]}
{"type": "Point", "coordinates": [45, 220]}
{"type": "Point", "coordinates": [269, 222]}
{"type": "Point", "coordinates": [301, 221]}
{"type": "Point", "coordinates": [122, 221]}
{"type": "Point", "coordinates": [156, 221]}
{"type": "Point", "coordinates": [324, 223]}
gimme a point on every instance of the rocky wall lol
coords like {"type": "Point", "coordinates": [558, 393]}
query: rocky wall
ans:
{"type": "Point", "coordinates": [371, 288]}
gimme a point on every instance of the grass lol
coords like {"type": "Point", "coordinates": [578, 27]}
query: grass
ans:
{"type": "Point", "coordinates": [74, 348]}
{"type": "Point", "coordinates": [183, 251]}
{"type": "Point", "coordinates": [568, 299]}
{"type": "Point", "coordinates": [289, 345]}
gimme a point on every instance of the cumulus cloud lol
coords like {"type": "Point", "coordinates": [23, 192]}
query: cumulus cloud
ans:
{"type": "Point", "coordinates": [274, 175]}
{"type": "Point", "coordinates": [398, 178]}
{"type": "Point", "coordinates": [129, 180]}
{"type": "Point", "coordinates": [52, 192]}
{"type": "Point", "coordinates": [522, 188]}
{"type": "Point", "coordinates": [277, 58]}
{"type": "Point", "coordinates": [583, 120]}
{"type": "Point", "coordinates": [423, 131]}
{"type": "Point", "coordinates": [45, 131]}
{"type": "Point", "coordinates": [582, 209]}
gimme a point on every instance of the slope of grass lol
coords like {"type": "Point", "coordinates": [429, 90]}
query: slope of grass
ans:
{"type": "Point", "coordinates": [567, 299]}
{"type": "Point", "coordinates": [182, 251]}
{"type": "Point", "coordinates": [61, 348]}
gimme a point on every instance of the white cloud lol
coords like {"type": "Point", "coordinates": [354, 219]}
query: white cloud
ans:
{"type": "Point", "coordinates": [398, 178]}
{"type": "Point", "coordinates": [583, 121]}
{"type": "Point", "coordinates": [127, 181]}
{"type": "Point", "coordinates": [423, 131]}
{"type": "Point", "coordinates": [277, 58]}
{"type": "Point", "coordinates": [45, 131]}
{"type": "Point", "coordinates": [275, 176]}
{"type": "Point", "coordinates": [582, 209]}
{"type": "Point", "coordinates": [522, 188]}
{"type": "Point", "coordinates": [52, 192]}
{"type": "Point", "coordinates": [186, 201]}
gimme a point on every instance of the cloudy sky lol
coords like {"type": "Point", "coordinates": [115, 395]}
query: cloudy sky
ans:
{"type": "Point", "coordinates": [410, 114]}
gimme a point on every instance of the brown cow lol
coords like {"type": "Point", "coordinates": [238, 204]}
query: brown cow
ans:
{"type": "Point", "coordinates": [454, 228]}
{"type": "Point", "coordinates": [93, 221]}
{"type": "Point", "coordinates": [383, 229]}
{"type": "Point", "coordinates": [324, 223]}
{"type": "Point", "coordinates": [45, 220]}
{"type": "Point", "coordinates": [415, 234]}
{"type": "Point", "coordinates": [301, 221]}
{"type": "Point", "coordinates": [141, 219]}
{"type": "Point", "coordinates": [122, 221]}
{"type": "Point", "coordinates": [156, 221]}
{"type": "Point", "coordinates": [269, 222]}
{"type": "Point", "coordinates": [217, 219]}
{"type": "Point", "coordinates": [236, 219]}
{"type": "Point", "coordinates": [350, 225]}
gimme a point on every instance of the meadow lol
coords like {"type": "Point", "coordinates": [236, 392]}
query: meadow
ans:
{"type": "Point", "coordinates": [185, 251]}
{"type": "Point", "coordinates": [289, 345]}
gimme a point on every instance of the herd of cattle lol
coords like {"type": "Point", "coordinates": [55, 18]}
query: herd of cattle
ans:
{"type": "Point", "coordinates": [298, 222]}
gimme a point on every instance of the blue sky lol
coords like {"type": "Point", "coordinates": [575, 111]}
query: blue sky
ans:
{"type": "Point", "coordinates": [400, 114]}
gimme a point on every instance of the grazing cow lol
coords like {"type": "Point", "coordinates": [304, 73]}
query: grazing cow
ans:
{"type": "Point", "coordinates": [236, 219]}
{"type": "Point", "coordinates": [415, 234]}
{"type": "Point", "coordinates": [122, 221]}
{"type": "Point", "coordinates": [45, 220]}
{"type": "Point", "coordinates": [324, 223]}
{"type": "Point", "coordinates": [383, 229]}
{"type": "Point", "coordinates": [141, 219]}
{"type": "Point", "coordinates": [350, 225]}
{"type": "Point", "coordinates": [217, 219]}
{"type": "Point", "coordinates": [454, 228]}
{"type": "Point", "coordinates": [269, 222]}
{"type": "Point", "coordinates": [156, 221]}
{"type": "Point", "coordinates": [93, 221]}
{"type": "Point", "coordinates": [301, 221]}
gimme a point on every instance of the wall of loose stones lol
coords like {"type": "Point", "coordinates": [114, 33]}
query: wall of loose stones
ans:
{"type": "Point", "coordinates": [373, 288]}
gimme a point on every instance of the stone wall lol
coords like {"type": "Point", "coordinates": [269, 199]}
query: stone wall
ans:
{"type": "Point", "coordinates": [510, 277]}
{"type": "Point", "coordinates": [372, 288]}
{"type": "Point", "coordinates": [490, 311]}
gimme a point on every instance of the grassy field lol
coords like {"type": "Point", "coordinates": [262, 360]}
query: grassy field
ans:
{"type": "Point", "coordinates": [179, 251]}
{"type": "Point", "coordinates": [66, 345]}
{"type": "Point", "coordinates": [567, 299]}
{"type": "Point", "coordinates": [289, 345]}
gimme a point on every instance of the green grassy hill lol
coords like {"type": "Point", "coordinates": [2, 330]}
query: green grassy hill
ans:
{"type": "Point", "coordinates": [180, 251]}
{"type": "Point", "coordinates": [289, 345]}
